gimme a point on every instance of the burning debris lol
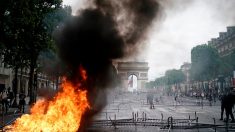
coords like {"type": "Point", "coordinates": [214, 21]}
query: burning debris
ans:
{"type": "Point", "coordinates": [107, 30]}
{"type": "Point", "coordinates": [61, 114]}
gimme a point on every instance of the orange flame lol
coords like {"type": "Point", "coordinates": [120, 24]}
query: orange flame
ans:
{"type": "Point", "coordinates": [62, 114]}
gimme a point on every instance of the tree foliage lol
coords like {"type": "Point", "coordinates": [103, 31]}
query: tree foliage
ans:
{"type": "Point", "coordinates": [174, 76]}
{"type": "Point", "coordinates": [171, 77]}
{"type": "Point", "coordinates": [150, 84]}
{"type": "Point", "coordinates": [26, 28]}
{"type": "Point", "coordinates": [205, 62]}
{"type": "Point", "coordinates": [161, 81]}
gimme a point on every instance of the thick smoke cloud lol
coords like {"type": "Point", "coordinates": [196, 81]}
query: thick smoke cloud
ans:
{"type": "Point", "coordinates": [108, 30]}
{"type": "Point", "coordinates": [133, 18]}
{"type": "Point", "coordinates": [91, 41]}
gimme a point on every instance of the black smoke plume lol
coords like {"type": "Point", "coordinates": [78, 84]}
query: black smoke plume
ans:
{"type": "Point", "coordinates": [91, 41]}
{"type": "Point", "coordinates": [108, 30]}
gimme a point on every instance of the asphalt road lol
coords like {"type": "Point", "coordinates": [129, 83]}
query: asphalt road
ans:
{"type": "Point", "coordinates": [122, 106]}
{"type": "Point", "coordinates": [125, 105]}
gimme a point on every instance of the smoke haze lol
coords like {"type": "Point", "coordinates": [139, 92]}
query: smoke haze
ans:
{"type": "Point", "coordinates": [105, 31]}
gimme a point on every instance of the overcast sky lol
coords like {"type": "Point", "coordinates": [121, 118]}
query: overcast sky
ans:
{"type": "Point", "coordinates": [183, 25]}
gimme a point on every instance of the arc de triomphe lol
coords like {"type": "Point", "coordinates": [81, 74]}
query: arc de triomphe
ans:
{"type": "Point", "coordinates": [137, 69]}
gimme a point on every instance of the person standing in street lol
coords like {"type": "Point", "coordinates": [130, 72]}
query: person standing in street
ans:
{"type": "Point", "coordinates": [151, 97]}
{"type": "Point", "coordinates": [202, 98]}
{"type": "Point", "coordinates": [22, 102]}
{"type": "Point", "coordinates": [10, 96]}
{"type": "Point", "coordinates": [176, 100]}
{"type": "Point", "coordinates": [222, 98]}
{"type": "Point", "coordinates": [5, 101]}
{"type": "Point", "coordinates": [229, 101]}
{"type": "Point", "coordinates": [210, 99]}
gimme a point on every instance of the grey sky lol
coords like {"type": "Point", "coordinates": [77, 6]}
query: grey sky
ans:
{"type": "Point", "coordinates": [183, 25]}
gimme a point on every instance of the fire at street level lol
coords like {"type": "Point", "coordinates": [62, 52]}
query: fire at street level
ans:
{"type": "Point", "coordinates": [61, 114]}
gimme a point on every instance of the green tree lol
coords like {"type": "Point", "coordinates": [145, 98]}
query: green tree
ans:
{"type": "Point", "coordinates": [12, 40]}
{"type": "Point", "coordinates": [150, 84]}
{"type": "Point", "coordinates": [174, 76]}
{"type": "Point", "coordinates": [26, 29]}
{"type": "Point", "coordinates": [47, 16]}
{"type": "Point", "coordinates": [161, 81]}
{"type": "Point", "coordinates": [4, 5]}
{"type": "Point", "coordinates": [205, 62]}
{"type": "Point", "coordinates": [49, 62]}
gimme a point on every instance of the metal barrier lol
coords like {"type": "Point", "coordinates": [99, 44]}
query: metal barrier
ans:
{"type": "Point", "coordinates": [167, 124]}
{"type": "Point", "coordinates": [144, 121]}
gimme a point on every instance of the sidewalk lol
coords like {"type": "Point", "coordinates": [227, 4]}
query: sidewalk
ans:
{"type": "Point", "coordinates": [13, 113]}
{"type": "Point", "coordinates": [11, 116]}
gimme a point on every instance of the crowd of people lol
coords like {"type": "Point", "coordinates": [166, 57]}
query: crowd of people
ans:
{"type": "Point", "coordinates": [7, 100]}
{"type": "Point", "coordinates": [227, 102]}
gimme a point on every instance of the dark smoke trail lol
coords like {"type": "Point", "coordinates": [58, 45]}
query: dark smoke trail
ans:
{"type": "Point", "coordinates": [110, 29]}
{"type": "Point", "coordinates": [92, 41]}
{"type": "Point", "coordinates": [134, 18]}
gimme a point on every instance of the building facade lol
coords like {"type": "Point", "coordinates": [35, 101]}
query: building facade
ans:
{"type": "Point", "coordinates": [225, 43]}
{"type": "Point", "coordinates": [7, 76]}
